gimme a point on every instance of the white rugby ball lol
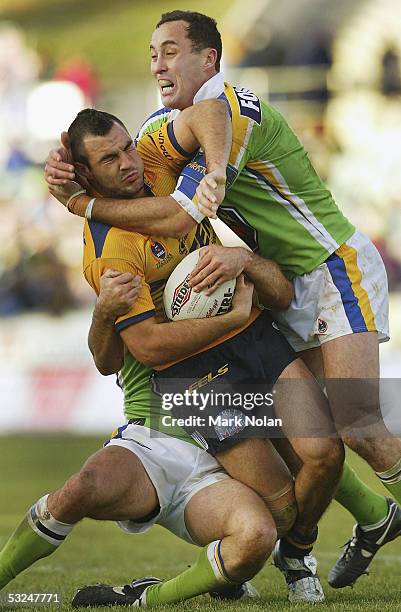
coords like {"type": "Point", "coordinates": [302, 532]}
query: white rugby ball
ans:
{"type": "Point", "coordinates": [181, 301]}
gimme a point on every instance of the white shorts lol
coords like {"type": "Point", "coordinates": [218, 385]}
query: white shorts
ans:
{"type": "Point", "coordinates": [346, 294]}
{"type": "Point", "coordinates": [177, 470]}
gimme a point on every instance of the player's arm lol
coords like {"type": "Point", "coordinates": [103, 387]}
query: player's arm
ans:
{"type": "Point", "coordinates": [218, 264]}
{"type": "Point", "coordinates": [155, 344]}
{"type": "Point", "coordinates": [207, 124]}
{"type": "Point", "coordinates": [118, 293]}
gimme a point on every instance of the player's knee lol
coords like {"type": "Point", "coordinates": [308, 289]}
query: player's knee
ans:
{"type": "Point", "coordinates": [255, 544]}
{"type": "Point", "coordinates": [327, 456]}
{"type": "Point", "coordinates": [81, 491]}
{"type": "Point", "coordinates": [367, 448]}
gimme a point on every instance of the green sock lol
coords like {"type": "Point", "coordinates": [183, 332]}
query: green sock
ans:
{"type": "Point", "coordinates": [366, 506]}
{"type": "Point", "coordinates": [22, 549]}
{"type": "Point", "coordinates": [37, 536]}
{"type": "Point", "coordinates": [391, 479]}
{"type": "Point", "coordinates": [207, 574]}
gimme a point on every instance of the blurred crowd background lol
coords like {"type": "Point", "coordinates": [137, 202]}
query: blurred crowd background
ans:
{"type": "Point", "coordinates": [332, 68]}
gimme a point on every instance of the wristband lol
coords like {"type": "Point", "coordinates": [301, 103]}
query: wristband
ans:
{"type": "Point", "coordinates": [88, 211]}
{"type": "Point", "coordinates": [78, 206]}
{"type": "Point", "coordinates": [74, 195]}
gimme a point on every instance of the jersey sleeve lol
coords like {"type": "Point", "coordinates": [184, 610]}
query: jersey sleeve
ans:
{"type": "Point", "coordinates": [163, 159]}
{"type": "Point", "coordinates": [123, 253]}
{"type": "Point", "coordinates": [246, 118]}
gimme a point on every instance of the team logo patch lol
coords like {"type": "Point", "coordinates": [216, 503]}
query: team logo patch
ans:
{"type": "Point", "coordinates": [158, 250]}
{"type": "Point", "coordinates": [230, 422]}
{"type": "Point", "coordinates": [322, 326]}
{"type": "Point", "coordinates": [181, 296]}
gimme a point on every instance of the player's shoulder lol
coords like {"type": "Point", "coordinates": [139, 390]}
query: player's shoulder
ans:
{"type": "Point", "coordinates": [246, 104]}
{"type": "Point", "coordinates": [105, 240]}
{"type": "Point", "coordinates": [156, 120]}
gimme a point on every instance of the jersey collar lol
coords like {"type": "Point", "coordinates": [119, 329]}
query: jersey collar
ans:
{"type": "Point", "coordinates": [213, 88]}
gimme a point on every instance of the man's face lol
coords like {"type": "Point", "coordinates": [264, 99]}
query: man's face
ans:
{"type": "Point", "coordinates": [179, 70]}
{"type": "Point", "coordinates": [115, 167]}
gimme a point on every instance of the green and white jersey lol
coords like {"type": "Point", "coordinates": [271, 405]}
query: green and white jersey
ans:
{"type": "Point", "coordinates": [275, 200]}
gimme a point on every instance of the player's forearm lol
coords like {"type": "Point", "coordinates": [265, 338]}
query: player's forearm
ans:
{"type": "Point", "coordinates": [171, 341]}
{"type": "Point", "coordinates": [273, 288]}
{"type": "Point", "coordinates": [105, 344]}
{"type": "Point", "coordinates": [158, 216]}
{"type": "Point", "coordinates": [210, 125]}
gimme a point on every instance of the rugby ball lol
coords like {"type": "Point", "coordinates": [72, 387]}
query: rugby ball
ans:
{"type": "Point", "coordinates": [181, 301]}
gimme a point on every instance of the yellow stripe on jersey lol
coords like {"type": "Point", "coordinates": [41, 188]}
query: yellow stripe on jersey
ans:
{"type": "Point", "coordinates": [349, 256]}
{"type": "Point", "coordinates": [242, 128]}
{"type": "Point", "coordinates": [268, 174]}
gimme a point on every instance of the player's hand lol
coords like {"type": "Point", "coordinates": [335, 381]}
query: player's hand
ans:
{"type": "Point", "coordinates": [59, 167]}
{"type": "Point", "coordinates": [211, 191]}
{"type": "Point", "coordinates": [118, 293]}
{"type": "Point", "coordinates": [242, 300]}
{"type": "Point", "coordinates": [216, 265]}
{"type": "Point", "coordinates": [63, 192]}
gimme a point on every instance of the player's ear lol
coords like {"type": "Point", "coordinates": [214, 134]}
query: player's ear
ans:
{"type": "Point", "coordinates": [210, 58]}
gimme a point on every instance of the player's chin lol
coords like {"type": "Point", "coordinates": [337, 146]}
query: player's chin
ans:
{"type": "Point", "coordinates": [130, 190]}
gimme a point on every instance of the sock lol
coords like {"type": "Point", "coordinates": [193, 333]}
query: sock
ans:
{"type": "Point", "coordinates": [37, 536]}
{"type": "Point", "coordinates": [207, 574]}
{"type": "Point", "coordinates": [366, 506]}
{"type": "Point", "coordinates": [296, 545]}
{"type": "Point", "coordinates": [391, 479]}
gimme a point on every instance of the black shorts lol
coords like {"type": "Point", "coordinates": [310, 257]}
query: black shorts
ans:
{"type": "Point", "coordinates": [224, 382]}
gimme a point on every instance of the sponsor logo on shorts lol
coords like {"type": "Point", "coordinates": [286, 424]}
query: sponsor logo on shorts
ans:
{"type": "Point", "coordinates": [181, 296]}
{"type": "Point", "coordinates": [321, 326]}
{"type": "Point", "coordinates": [209, 377]}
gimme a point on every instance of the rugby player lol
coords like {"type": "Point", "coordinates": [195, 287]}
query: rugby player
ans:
{"type": "Point", "coordinates": [155, 343]}
{"type": "Point", "coordinates": [279, 205]}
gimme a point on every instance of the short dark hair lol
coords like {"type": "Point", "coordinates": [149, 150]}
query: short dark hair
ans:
{"type": "Point", "coordinates": [89, 122]}
{"type": "Point", "coordinates": [202, 30]}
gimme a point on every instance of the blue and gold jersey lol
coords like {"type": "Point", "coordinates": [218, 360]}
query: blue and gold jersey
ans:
{"type": "Point", "coordinates": [151, 257]}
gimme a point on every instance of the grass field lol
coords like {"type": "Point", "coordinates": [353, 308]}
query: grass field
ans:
{"type": "Point", "coordinates": [96, 552]}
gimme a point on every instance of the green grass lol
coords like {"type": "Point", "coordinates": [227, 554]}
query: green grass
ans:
{"type": "Point", "coordinates": [96, 552]}
{"type": "Point", "coordinates": [114, 34]}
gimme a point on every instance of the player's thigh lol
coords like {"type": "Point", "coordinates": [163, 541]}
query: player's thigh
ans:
{"type": "Point", "coordinates": [257, 464]}
{"type": "Point", "coordinates": [313, 359]}
{"type": "Point", "coordinates": [352, 356]}
{"type": "Point", "coordinates": [301, 404]}
{"type": "Point", "coordinates": [123, 487]}
{"type": "Point", "coordinates": [351, 365]}
{"type": "Point", "coordinates": [231, 509]}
